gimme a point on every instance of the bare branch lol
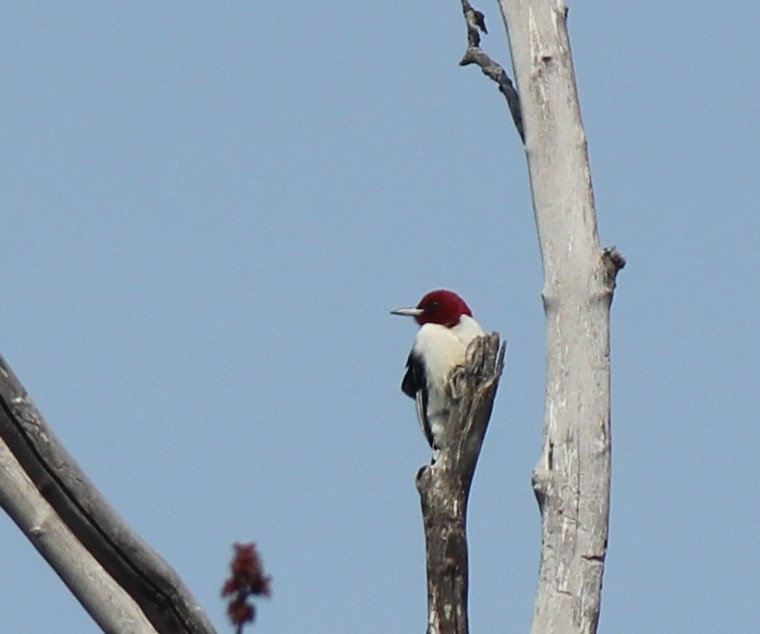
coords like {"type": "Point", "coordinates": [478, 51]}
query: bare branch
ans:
{"type": "Point", "coordinates": [444, 486]}
{"type": "Point", "coordinates": [475, 22]}
{"type": "Point", "coordinates": [58, 484]}
{"type": "Point", "coordinates": [111, 608]}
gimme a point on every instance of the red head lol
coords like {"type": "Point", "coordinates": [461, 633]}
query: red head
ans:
{"type": "Point", "coordinates": [437, 307]}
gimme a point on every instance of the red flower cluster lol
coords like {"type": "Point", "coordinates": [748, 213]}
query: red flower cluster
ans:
{"type": "Point", "coordinates": [247, 579]}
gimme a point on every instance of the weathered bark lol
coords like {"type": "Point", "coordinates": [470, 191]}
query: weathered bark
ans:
{"type": "Point", "coordinates": [572, 477]}
{"type": "Point", "coordinates": [111, 608]}
{"type": "Point", "coordinates": [444, 485]}
{"type": "Point", "coordinates": [121, 582]}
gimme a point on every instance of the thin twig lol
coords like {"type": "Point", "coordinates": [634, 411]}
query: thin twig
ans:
{"type": "Point", "coordinates": [475, 22]}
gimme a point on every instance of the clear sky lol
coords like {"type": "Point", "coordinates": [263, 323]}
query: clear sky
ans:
{"type": "Point", "coordinates": [208, 210]}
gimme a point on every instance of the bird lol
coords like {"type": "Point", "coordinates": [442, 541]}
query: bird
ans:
{"type": "Point", "coordinates": [446, 329]}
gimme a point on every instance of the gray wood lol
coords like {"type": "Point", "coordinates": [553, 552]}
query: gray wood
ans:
{"type": "Point", "coordinates": [63, 495]}
{"type": "Point", "coordinates": [572, 477]}
{"type": "Point", "coordinates": [444, 485]}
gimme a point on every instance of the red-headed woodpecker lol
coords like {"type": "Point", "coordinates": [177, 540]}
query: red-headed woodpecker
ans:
{"type": "Point", "coordinates": [446, 328]}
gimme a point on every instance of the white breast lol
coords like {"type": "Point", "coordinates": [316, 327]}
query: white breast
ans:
{"type": "Point", "coordinates": [444, 348]}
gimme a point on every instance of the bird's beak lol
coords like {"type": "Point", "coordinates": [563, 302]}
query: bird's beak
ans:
{"type": "Point", "coordinates": [409, 312]}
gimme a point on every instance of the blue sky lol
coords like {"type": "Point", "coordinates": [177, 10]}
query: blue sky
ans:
{"type": "Point", "coordinates": [208, 211]}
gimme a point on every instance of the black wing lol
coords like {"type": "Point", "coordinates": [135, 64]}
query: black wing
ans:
{"type": "Point", "coordinates": [414, 379]}
{"type": "Point", "coordinates": [415, 386]}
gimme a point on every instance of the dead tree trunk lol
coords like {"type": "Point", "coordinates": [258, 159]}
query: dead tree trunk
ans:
{"type": "Point", "coordinates": [572, 477]}
{"type": "Point", "coordinates": [444, 485]}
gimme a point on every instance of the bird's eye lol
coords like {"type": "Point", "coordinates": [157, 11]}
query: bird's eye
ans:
{"type": "Point", "coordinates": [433, 305]}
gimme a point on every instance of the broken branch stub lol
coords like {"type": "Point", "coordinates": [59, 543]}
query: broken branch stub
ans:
{"type": "Point", "coordinates": [444, 485]}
